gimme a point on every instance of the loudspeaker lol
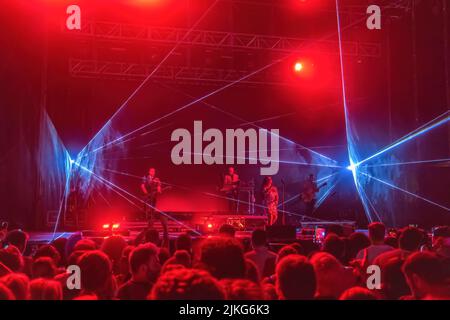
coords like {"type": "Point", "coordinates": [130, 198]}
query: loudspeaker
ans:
{"type": "Point", "coordinates": [281, 233]}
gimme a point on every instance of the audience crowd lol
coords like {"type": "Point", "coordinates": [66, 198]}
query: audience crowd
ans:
{"type": "Point", "coordinates": [412, 265]}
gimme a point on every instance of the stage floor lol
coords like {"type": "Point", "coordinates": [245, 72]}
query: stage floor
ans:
{"type": "Point", "coordinates": [46, 237]}
{"type": "Point", "coordinates": [42, 237]}
{"type": "Point", "coordinates": [130, 230]}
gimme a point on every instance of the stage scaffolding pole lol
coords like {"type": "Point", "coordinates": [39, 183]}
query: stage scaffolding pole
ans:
{"type": "Point", "coordinates": [415, 72]}
{"type": "Point", "coordinates": [446, 60]}
{"type": "Point", "coordinates": [40, 218]}
{"type": "Point", "coordinates": [389, 78]}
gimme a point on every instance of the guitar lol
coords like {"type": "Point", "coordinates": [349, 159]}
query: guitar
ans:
{"type": "Point", "coordinates": [150, 195]}
{"type": "Point", "coordinates": [230, 186]}
{"type": "Point", "coordinates": [309, 194]}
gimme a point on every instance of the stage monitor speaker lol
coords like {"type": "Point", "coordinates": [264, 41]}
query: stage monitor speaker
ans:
{"type": "Point", "coordinates": [281, 233]}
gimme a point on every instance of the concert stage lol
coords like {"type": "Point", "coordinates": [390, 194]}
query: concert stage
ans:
{"type": "Point", "coordinates": [201, 225]}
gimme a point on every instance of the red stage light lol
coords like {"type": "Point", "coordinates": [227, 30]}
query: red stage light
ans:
{"type": "Point", "coordinates": [308, 7]}
{"type": "Point", "coordinates": [298, 67]}
{"type": "Point", "coordinates": [147, 2]}
{"type": "Point", "coordinates": [108, 226]}
{"type": "Point", "coordinates": [210, 225]}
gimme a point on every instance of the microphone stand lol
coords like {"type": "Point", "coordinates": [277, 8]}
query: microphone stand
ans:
{"type": "Point", "coordinates": [283, 220]}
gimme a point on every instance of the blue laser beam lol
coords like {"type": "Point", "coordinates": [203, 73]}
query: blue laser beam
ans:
{"type": "Point", "coordinates": [348, 133]}
{"type": "Point", "coordinates": [364, 202]}
{"type": "Point", "coordinates": [120, 172]}
{"type": "Point", "coordinates": [407, 163]}
{"type": "Point", "coordinates": [325, 195]}
{"type": "Point", "coordinates": [104, 198]}
{"type": "Point", "coordinates": [222, 89]}
{"type": "Point", "coordinates": [371, 204]}
{"type": "Point", "coordinates": [311, 149]}
{"type": "Point", "coordinates": [423, 126]}
{"type": "Point", "coordinates": [407, 138]}
{"type": "Point", "coordinates": [267, 119]}
{"type": "Point", "coordinates": [186, 105]}
{"type": "Point", "coordinates": [341, 60]}
{"type": "Point", "coordinates": [127, 158]}
{"type": "Point", "coordinates": [112, 188]}
{"type": "Point", "coordinates": [159, 143]}
{"type": "Point", "coordinates": [406, 191]}
{"type": "Point", "coordinates": [353, 167]}
{"type": "Point", "coordinates": [327, 177]}
{"type": "Point", "coordinates": [146, 204]}
{"type": "Point", "coordinates": [240, 201]}
{"type": "Point", "coordinates": [250, 123]}
{"type": "Point", "coordinates": [288, 200]}
{"type": "Point", "coordinates": [248, 158]}
{"type": "Point", "coordinates": [108, 123]}
{"type": "Point", "coordinates": [276, 161]}
{"type": "Point", "coordinates": [136, 198]}
{"type": "Point", "coordinates": [317, 181]}
{"type": "Point", "coordinates": [63, 201]}
{"type": "Point", "coordinates": [157, 150]}
{"type": "Point", "coordinates": [60, 236]}
{"type": "Point", "coordinates": [132, 138]}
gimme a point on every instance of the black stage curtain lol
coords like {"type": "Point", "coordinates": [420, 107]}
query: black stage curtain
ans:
{"type": "Point", "coordinates": [21, 66]}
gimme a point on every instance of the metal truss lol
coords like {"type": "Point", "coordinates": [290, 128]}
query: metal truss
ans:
{"type": "Point", "coordinates": [219, 39]}
{"type": "Point", "coordinates": [392, 9]}
{"type": "Point", "coordinates": [82, 68]}
{"type": "Point", "coordinates": [346, 5]}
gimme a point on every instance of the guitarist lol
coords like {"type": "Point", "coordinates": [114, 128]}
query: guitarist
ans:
{"type": "Point", "coordinates": [230, 186]}
{"type": "Point", "coordinates": [308, 194]}
{"type": "Point", "coordinates": [151, 189]}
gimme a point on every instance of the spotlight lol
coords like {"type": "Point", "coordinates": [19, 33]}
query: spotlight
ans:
{"type": "Point", "coordinates": [298, 67]}
{"type": "Point", "coordinates": [107, 230]}
{"type": "Point", "coordinates": [147, 2]}
{"type": "Point", "coordinates": [208, 226]}
{"type": "Point", "coordinates": [352, 168]}
{"type": "Point", "coordinates": [113, 226]}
